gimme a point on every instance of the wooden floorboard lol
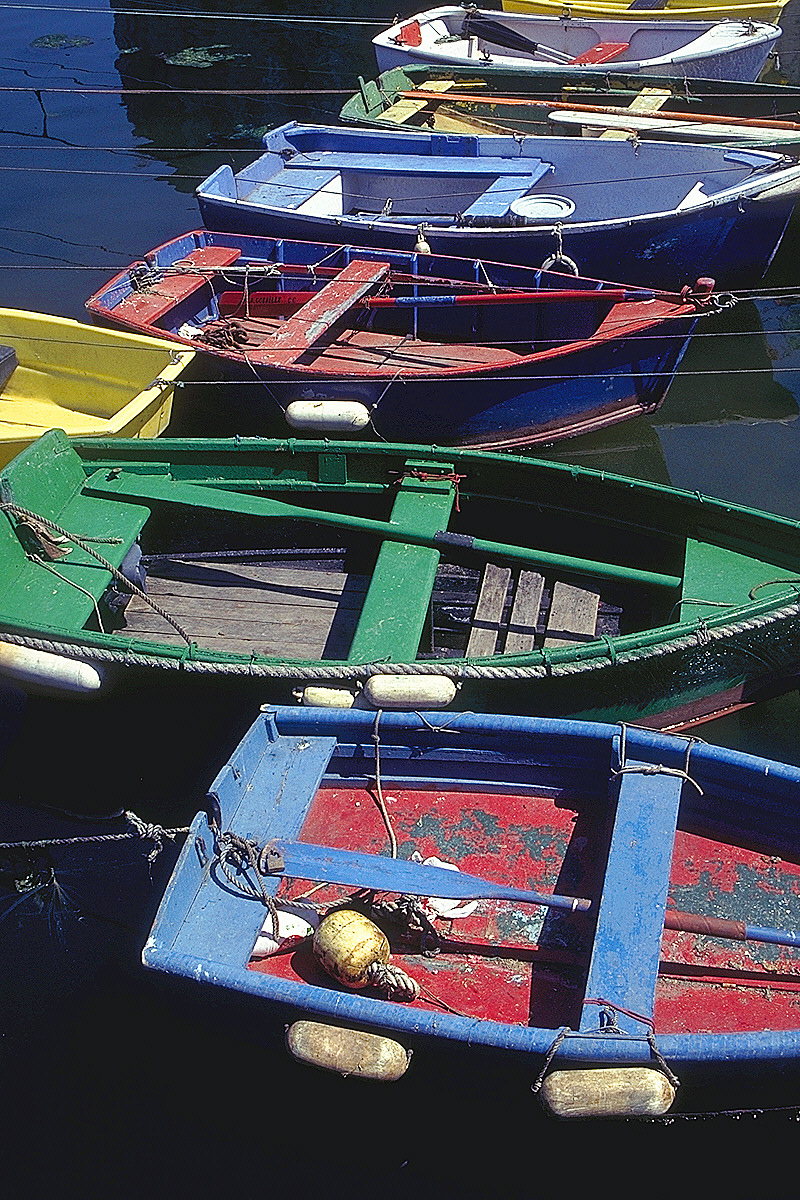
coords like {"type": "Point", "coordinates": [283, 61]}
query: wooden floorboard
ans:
{"type": "Point", "coordinates": [488, 611]}
{"type": "Point", "coordinates": [277, 611]}
{"type": "Point", "coordinates": [524, 613]}
{"type": "Point", "coordinates": [573, 616]}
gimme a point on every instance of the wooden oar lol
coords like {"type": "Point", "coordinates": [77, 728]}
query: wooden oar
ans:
{"type": "Point", "coordinates": [711, 119]}
{"type": "Point", "coordinates": [724, 927]}
{"type": "Point", "coordinates": [116, 482]}
{"type": "Point", "coordinates": [324, 864]}
{"type": "Point", "coordinates": [260, 303]}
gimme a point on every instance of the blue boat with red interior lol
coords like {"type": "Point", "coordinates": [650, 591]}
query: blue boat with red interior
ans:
{"type": "Point", "coordinates": [408, 346]}
{"type": "Point", "coordinates": [607, 909]}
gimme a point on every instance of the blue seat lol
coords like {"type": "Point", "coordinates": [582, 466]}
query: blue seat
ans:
{"type": "Point", "coordinates": [498, 197]}
{"type": "Point", "coordinates": [289, 188]}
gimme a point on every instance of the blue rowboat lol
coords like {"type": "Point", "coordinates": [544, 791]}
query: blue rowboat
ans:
{"type": "Point", "coordinates": [467, 36]}
{"type": "Point", "coordinates": [653, 214]}
{"type": "Point", "coordinates": [619, 924]}
{"type": "Point", "coordinates": [415, 348]}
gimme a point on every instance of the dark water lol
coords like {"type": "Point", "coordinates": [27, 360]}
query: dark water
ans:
{"type": "Point", "coordinates": [112, 1080]}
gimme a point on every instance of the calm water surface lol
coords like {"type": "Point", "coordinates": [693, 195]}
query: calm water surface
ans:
{"type": "Point", "coordinates": [101, 1067]}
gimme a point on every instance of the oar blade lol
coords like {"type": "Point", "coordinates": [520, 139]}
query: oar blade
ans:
{"type": "Point", "coordinates": [324, 864]}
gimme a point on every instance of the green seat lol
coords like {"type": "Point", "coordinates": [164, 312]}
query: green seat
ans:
{"type": "Point", "coordinates": [47, 480]}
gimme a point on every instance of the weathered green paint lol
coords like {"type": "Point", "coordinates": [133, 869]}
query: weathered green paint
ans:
{"type": "Point", "coordinates": [396, 605]}
{"type": "Point", "coordinates": [49, 485]}
{"type": "Point", "coordinates": [142, 487]}
{"type": "Point", "coordinates": [723, 577]}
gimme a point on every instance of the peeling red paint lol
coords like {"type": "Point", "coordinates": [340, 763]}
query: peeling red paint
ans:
{"type": "Point", "coordinates": [519, 964]}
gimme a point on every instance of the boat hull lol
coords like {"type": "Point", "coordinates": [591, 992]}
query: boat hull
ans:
{"type": "Point", "coordinates": [721, 654]}
{"type": "Point", "coordinates": [87, 381]}
{"type": "Point", "coordinates": [733, 241]}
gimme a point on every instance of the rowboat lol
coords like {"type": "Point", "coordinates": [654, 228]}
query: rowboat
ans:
{"type": "Point", "coordinates": [607, 910]}
{"type": "Point", "coordinates": [394, 576]}
{"type": "Point", "coordinates": [653, 214]}
{"type": "Point", "coordinates": [454, 36]}
{"type": "Point", "coordinates": [657, 10]}
{"type": "Point", "coordinates": [468, 100]}
{"type": "Point", "coordinates": [58, 373]}
{"type": "Point", "coordinates": [415, 349]}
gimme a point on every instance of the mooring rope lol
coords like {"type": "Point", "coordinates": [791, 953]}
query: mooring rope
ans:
{"type": "Point", "coordinates": [141, 829]}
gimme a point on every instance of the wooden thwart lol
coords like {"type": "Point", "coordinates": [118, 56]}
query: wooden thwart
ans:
{"type": "Point", "coordinates": [297, 334]}
{"type": "Point", "coordinates": [149, 306]}
{"type": "Point", "coordinates": [403, 110]}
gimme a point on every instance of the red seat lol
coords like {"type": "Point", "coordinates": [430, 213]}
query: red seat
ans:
{"type": "Point", "coordinates": [602, 52]}
{"type": "Point", "coordinates": [409, 35]}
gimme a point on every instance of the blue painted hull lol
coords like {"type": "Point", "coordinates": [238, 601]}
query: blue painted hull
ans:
{"type": "Point", "coordinates": [532, 402]}
{"type": "Point", "coordinates": [534, 405]}
{"type": "Point", "coordinates": [733, 243]}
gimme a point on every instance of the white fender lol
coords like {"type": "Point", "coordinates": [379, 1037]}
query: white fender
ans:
{"type": "Point", "coordinates": [607, 1092]}
{"type": "Point", "coordinates": [409, 691]}
{"type": "Point", "coordinates": [347, 1051]}
{"type": "Point", "coordinates": [328, 416]}
{"type": "Point", "coordinates": [327, 697]}
{"type": "Point", "coordinates": [43, 669]}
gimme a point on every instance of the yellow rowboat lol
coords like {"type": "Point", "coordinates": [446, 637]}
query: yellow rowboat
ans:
{"type": "Point", "coordinates": [671, 10]}
{"type": "Point", "coordinates": [56, 373]}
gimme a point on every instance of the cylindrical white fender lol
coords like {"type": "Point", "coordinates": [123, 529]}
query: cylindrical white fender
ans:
{"type": "Point", "coordinates": [607, 1092]}
{"type": "Point", "coordinates": [327, 697]}
{"type": "Point", "coordinates": [347, 1051]}
{"type": "Point", "coordinates": [42, 669]}
{"type": "Point", "coordinates": [409, 691]}
{"type": "Point", "coordinates": [327, 416]}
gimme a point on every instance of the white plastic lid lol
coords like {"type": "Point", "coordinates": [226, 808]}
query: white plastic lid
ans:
{"type": "Point", "coordinates": [542, 207]}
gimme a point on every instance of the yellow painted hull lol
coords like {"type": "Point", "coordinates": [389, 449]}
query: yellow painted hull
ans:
{"type": "Point", "coordinates": [88, 381]}
{"type": "Point", "coordinates": [678, 10]}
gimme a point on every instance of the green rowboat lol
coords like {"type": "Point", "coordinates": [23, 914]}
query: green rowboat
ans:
{"type": "Point", "coordinates": [395, 576]}
{"type": "Point", "coordinates": [467, 100]}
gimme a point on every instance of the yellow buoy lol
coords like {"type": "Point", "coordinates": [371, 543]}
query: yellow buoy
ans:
{"type": "Point", "coordinates": [355, 952]}
{"type": "Point", "coordinates": [347, 944]}
{"type": "Point", "coordinates": [319, 696]}
{"type": "Point", "coordinates": [409, 691]}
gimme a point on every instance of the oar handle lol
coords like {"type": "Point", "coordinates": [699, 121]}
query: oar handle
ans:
{"type": "Point", "coordinates": [724, 927]}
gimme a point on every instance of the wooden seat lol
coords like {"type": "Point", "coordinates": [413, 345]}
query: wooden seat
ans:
{"type": "Point", "coordinates": [602, 52]}
{"type": "Point", "coordinates": [306, 326]}
{"type": "Point", "coordinates": [147, 306]}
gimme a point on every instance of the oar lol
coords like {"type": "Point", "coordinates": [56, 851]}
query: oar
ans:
{"type": "Point", "coordinates": [724, 927]}
{"type": "Point", "coordinates": [257, 303]}
{"type": "Point", "coordinates": [324, 864]}
{"type": "Point", "coordinates": [116, 482]}
{"type": "Point", "coordinates": [515, 101]}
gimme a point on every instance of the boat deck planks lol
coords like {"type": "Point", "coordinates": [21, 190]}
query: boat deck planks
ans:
{"type": "Point", "coordinates": [362, 350]}
{"type": "Point", "coordinates": [522, 624]}
{"type": "Point", "coordinates": [573, 616]}
{"type": "Point", "coordinates": [246, 608]}
{"type": "Point", "coordinates": [488, 611]}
